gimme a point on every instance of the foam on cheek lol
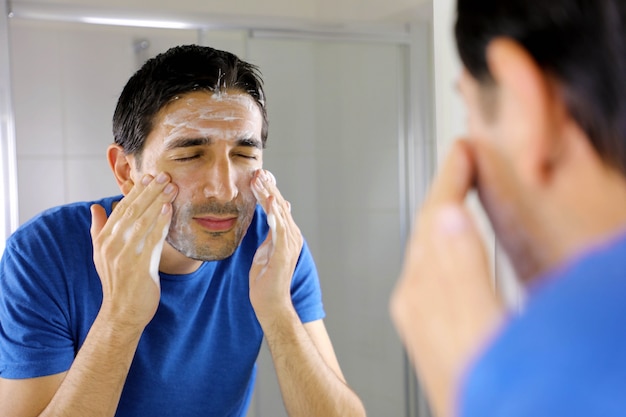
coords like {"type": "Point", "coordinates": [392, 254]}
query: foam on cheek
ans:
{"type": "Point", "coordinates": [182, 227]}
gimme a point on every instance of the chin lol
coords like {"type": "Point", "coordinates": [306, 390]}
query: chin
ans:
{"type": "Point", "coordinates": [215, 249]}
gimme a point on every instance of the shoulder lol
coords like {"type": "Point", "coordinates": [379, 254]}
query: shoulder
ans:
{"type": "Point", "coordinates": [55, 226]}
{"type": "Point", "coordinates": [569, 333]}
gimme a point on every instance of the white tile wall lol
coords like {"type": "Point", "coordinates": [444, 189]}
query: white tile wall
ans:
{"type": "Point", "coordinates": [66, 80]}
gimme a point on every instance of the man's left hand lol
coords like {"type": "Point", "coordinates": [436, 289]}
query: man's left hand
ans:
{"type": "Point", "coordinates": [275, 260]}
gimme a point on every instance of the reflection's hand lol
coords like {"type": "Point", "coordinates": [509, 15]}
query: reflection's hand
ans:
{"type": "Point", "coordinates": [275, 260]}
{"type": "Point", "coordinates": [127, 250]}
{"type": "Point", "coordinates": [443, 305]}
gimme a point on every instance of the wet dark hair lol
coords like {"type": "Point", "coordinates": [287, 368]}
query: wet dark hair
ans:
{"type": "Point", "coordinates": [177, 71]}
{"type": "Point", "coordinates": [582, 43]}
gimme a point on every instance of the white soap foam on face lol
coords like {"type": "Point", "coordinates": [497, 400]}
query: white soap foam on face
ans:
{"type": "Point", "coordinates": [200, 116]}
{"type": "Point", "coordinates": [182, 227]}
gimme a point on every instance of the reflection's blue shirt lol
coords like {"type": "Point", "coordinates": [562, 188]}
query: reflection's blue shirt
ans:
{"type": "Point", "coordinates": [565, 355]}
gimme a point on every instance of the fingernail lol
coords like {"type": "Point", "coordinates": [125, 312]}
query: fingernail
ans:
{"type": "Point", "coordinates": [161, 178]}
{"type": "Point", "coordinates": [168, 189]}
{"type": "Point", "coordinates": [146, 179]}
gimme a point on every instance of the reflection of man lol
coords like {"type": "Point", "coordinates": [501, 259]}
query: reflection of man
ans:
{"type": "Point", "coordinates": [545, 88]}
{"type": "Point", "coordinates": [186, 279]}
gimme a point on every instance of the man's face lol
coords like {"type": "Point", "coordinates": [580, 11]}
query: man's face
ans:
{"type": "Point", "coordinates": [210, 145]}
{"type": "Point", "coordinates": [497, 142]}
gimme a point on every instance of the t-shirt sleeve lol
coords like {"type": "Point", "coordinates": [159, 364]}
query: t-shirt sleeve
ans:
{"type": "Point", "coordinates": [35, 339]}
{"type": "Point", "coordinates": [306, 293]}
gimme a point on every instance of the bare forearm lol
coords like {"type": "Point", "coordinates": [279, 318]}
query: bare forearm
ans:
{"type": "Point", "coordinates": [93, 385]}
{"type": "Point", "coordinates": [309, 386]}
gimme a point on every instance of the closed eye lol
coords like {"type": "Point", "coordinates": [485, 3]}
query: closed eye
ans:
{"type": "Point", "coordinates": [186, 158]}
{"type": "Point", "coordinates": [247, 156]}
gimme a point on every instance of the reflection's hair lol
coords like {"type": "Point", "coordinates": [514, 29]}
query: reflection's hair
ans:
{"type": "Point", "coordinates": [582, 43]}
{"type": "Point", "coordinates": [180, 70]}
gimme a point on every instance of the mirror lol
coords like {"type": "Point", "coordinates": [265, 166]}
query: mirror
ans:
{"type": "Point", "coordinates": [342, 120]}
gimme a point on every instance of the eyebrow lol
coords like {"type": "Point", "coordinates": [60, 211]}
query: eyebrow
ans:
{"type": "Point", "coordinates": [190, 142]}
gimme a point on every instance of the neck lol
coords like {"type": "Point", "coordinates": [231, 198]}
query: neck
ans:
{"type": "Point", "coordinates": [583, 208]}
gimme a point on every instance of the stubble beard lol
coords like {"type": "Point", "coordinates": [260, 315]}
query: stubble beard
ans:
{"type": "Point", "coordinates": [187, 238]}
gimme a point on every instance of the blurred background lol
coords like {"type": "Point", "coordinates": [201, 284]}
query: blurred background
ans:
{"type": "Point", "coordinates": [355, 134]}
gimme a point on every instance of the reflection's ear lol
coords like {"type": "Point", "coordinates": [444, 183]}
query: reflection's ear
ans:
{"type": "Point", "coordinates": [531, 109]}
{"type": "Point", "coordinates": [121, 166]}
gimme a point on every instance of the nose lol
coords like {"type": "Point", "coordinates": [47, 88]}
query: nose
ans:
{"type": "Point", "coordinates": [220, 180]}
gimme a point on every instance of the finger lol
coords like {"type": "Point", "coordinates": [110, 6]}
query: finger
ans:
{"type": "Point", "coordinates": [130, 195]}
{"type": "Point", "coordinates": [455, 176]}
{"type": "Point", "coordinates": [151, 193]}
{"type": "Point", "coordinates": [468, 276]}
{"type": "Point", "coordinates": [284, 206]}
{"type": "Point", "coordinates": [98, 220]}
{"type": "Point", "coordinates": [268, 186]}
{"type": "Point", "coordinates": [264, 251]}
{"type": "Point", "coordinates": [456, 236]}
{"type": "Point", "coordinates": [265, 190]}
{"type": "Point", "coordinates": [276, 207]}
{"type": "Point", "coordinates": [155, 240]}
{"type": "Point", "coordinates": [146, 232]}
{"type": "Point", "coordinates": [260, 190]}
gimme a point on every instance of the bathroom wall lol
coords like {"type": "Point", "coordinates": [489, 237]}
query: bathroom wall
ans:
{"type": "Point", "coordinates": [66, 79]}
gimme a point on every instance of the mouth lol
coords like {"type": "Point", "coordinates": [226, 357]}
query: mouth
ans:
{"type": "Point", "coordinates": [216, 224]}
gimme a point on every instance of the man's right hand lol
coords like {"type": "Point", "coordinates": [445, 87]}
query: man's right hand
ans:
{"type": "Point", "coordinates": [444, 306]}
{"type": "Point", "coordinates": [127, 249]}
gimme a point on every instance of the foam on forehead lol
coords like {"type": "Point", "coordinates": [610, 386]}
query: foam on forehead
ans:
{"type": "Point", "coordinates": [200, 114]}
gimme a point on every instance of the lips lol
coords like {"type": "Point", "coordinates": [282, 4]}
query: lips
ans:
{"type": "Point", "coordinates": [216, 224]}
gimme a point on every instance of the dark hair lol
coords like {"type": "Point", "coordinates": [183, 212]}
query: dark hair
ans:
{"type": "Point", "coordinates": [177, 71]}
{"type": "Point", "coordinates": [582, 43]}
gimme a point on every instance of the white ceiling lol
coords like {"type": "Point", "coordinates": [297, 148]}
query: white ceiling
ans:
{"type": "Point", "coordinates": [313, 10]}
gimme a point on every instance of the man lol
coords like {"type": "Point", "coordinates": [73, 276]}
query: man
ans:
{"type": "Point", "coordinates": [544, 83]}
{"type": "Point", "coordinates": [155, 304]}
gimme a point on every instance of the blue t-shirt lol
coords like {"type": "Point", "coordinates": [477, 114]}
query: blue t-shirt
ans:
{"type": "Point", "coordinates": [195, 358]}
{"type": "Point", "coordinates": [565, 355]}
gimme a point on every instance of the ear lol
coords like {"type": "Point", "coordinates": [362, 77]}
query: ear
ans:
{"type": "Point", "coordinates": [530, 110]}
{"type": "Point", "coordinates": [121, 165]}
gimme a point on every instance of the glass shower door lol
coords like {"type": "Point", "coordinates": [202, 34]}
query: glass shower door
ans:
{"type": "Point", "coordinates": [336, 123]}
